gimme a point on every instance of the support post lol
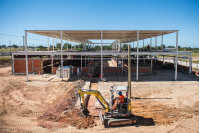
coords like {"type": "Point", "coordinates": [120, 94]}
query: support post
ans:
{"type": "Point", "coordinates": [129, 71]}
{"type": "Point", "coordinates": [143, 44]}
{"type": "Point", "coordinates": [133, 45]}
{"type": "Point", "coordinates": [137, 54]}
{"type": "Point", "coordinates": [176, 54]}
{"type": "Point", "coordinates": [190, 68]}
{"type": "Point", "coordinates": [151, 64]}
{"type": "Point", "coordinates": [26, 56]}
{"type": "Point", "coordinates": [174, 61]}
{"type": "Point", "coordinates": [61, 57]}
{"type": "Point", "coordinates": [48, 43]}
{"type": "Point", "coordinates": [150, 43]}
{"type": "Point", "coordinates": [122, 63]}
{"type": "Point", "coordinates": [23, 43]}
{"type": "Point", "coordinates": [81, 63]}
{"type": "Point", "coordinates": [155, 43]}
{"type": "Point", "coordinates": [101, 56]}
{"type": "Point", "coordinates": [53, 44]}
{"type": "Point", "coordinates": [162, 43]}
{"type": "Point", "coordinates": [13, 71]}
{"type": "Point", "coordinates": [85, 60]}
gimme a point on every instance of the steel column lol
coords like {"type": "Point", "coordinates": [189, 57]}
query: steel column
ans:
{"type": "Point", "coordinates": [176, 54]}
{"type": "Point", "coordinates": [26, 56]}
{"type": "Point", "coordinates": [133, 45]}
{"type": "Point", "coordinates": [101, 56]}
{"type": "Point", "coordinates": [53, 44]}
{"type": "Point", "coordinates": [155, 43]}
{"type": "Point", "coordinates": [151, 64]}
{"type": "Point", "coordinates": [143, 44]}
{"type": "Point", "coordinates": [48, 43]}
{"type": "Point", "coordinates": [190, 68]}
{"type": "Point", "coordinates": [13, 71]}
{"type": "Point", "coordinates": [150, 43]}
{"type": "Point", "coordinates": [137, 54]}
{"type": "Point", "coordinates": [61, 57]}
{"type": "Point", "coordinates": [162, 42]}
{"type": "Point", "coordinates": [122, 63]}
{"type": "Point", "coordinates": [129, 71]}
{"type": "Point", "coordinates": [81, 63]}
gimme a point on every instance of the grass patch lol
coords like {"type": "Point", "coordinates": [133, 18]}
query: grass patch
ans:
{"type": "Point", "coordinates": [5, 58]}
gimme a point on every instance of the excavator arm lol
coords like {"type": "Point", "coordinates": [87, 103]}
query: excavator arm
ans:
{"type": "Point", "coordinates": [97, 94]}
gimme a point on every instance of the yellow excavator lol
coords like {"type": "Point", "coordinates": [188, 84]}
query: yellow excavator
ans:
{"type": "Point", "coordinates": [120, 116]}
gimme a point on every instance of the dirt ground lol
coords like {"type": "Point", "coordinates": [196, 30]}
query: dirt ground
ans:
{"type": "Point", "coordinates": [165, 106]}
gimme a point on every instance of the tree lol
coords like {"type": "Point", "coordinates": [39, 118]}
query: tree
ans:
{"type": "Point", "coordinates": [14, 46]}
{"type": "Point", "coordinates": [3, 46]}
{"type": "Point", "coordinates": [41, 47]}
{"type": "Point", "coordinates": [124, 46]}
{"type": "Point", "coordinates": [58, 45]}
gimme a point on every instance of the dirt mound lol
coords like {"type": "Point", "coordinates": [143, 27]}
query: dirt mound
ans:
{"type": "Point", "coordinates": [5, 63]}
{"type": "Point", "coordinates": [62, 113]}
{"type": "Point", "coordinates": [149, 114]}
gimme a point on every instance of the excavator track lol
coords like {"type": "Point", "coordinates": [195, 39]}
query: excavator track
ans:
{"type": "Point", "coordinates": [122, 121]}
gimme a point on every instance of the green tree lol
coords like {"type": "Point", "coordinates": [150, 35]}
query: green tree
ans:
{"type": "Point", "coordinates": [125, 46]}
{"type": "Point", "coordinates": [41, 47]}
{"type": "Point", "coordinates": [14, 46]}
{"type": "Point", "coordinates": [58, 45]}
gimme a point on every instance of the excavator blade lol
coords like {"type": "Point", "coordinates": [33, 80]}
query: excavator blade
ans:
{"type": "Point", "coordinates": [84, 112]}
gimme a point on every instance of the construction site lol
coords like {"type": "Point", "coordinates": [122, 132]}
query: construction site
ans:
{"type": "Point", "coordinates": [71, 90]}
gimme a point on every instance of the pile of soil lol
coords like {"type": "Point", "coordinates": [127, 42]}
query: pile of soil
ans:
{"type": "Point", "coordinates": [63, 113]}
{"type": "Point", "coordinates": [5, 63]}
{"type": "Point", "coordinates": [148, 114]}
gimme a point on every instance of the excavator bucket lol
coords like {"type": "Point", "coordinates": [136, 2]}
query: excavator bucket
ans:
{"type": "Point", "coordinates": [84, 112]}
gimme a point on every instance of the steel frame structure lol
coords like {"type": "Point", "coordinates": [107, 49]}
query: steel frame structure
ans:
{"type": "Point", "coordinates": [121, 36]}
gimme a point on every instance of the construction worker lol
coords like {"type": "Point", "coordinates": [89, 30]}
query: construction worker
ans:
{"type": "Point", "coordinates": [120, 100]}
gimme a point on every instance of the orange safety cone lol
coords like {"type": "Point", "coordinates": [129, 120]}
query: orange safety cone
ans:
{"type": "Point", "coordinates": [39, 73]}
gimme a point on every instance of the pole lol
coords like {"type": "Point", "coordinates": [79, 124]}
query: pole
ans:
{"type": "Point", "coordinates": [48, 43]}
{"type": "Point", "coordinates": [61, 57]}
{"type": "Point", "coordinates": [26, 57]}
{"type": "Point", "coordinates": [162, 43]}
{"type": "Point", "coordinates": [23, 43]}
{"type": "Point", "coordinates": [53, 44]}
{"type": "Point", "coordinates": [10, 47]}
{"type": "Point", "coordinates": [143, 44]}
{"type": "Point", "coordinates": [81, 63]}
{"type": "Point", "coordinates": [176, 54]}
{"type": "Point", "coordinates": [137, 54]}
{"type": "Point", "coordinates": [129, 72]}
{"type": "Point", "coordinates": [101, 57]}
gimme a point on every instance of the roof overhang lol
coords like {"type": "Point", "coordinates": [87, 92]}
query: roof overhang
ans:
{"type": "Point", "coordinates": [79, 36]}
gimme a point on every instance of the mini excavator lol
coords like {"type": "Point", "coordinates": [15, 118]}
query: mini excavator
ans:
{"type": "Point", "coordinates": [120, 116]}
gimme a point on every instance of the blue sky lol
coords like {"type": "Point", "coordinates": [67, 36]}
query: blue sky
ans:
{"type": "Point", "coordinates": [19, 15]}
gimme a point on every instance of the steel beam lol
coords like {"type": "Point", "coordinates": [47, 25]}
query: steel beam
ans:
{"type": "Point", "coordinates": [190, 67]}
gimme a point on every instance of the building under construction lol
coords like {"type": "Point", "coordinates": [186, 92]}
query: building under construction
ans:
{"type": "Point", "coordinates": [97, 62]}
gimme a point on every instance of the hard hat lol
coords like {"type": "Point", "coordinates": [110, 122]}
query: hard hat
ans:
{"type": "Point", "coordinates": [120, 93]}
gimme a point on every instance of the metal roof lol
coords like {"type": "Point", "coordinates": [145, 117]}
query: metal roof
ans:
{"type": "Point", "coordinates": [79, 36]}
